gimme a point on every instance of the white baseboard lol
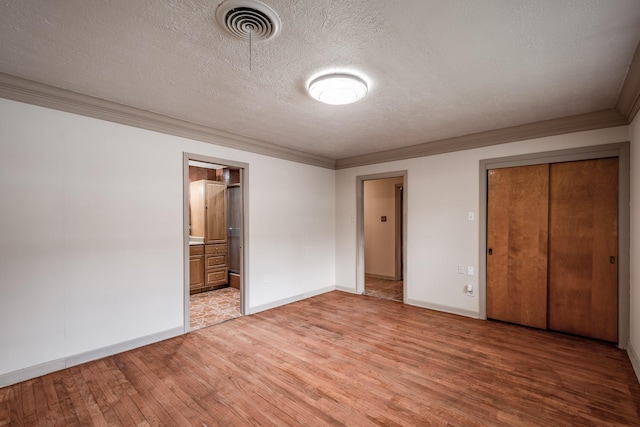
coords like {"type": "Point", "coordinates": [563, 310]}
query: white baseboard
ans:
{"type": "Point", "coordinates": [444, 308]}
{"type": "Point", "coordinates": [635, 361]}
{"type": "Point", "coordinates": [345, 289]}
{"type": "Point", "coordinates": [77, 359]}
{"type": "Point", "coordinates": [99, 353]}
{"type": "Point", "coordinates": [30, 372]}
{"type": "Point", "coordinates": [289, 300]}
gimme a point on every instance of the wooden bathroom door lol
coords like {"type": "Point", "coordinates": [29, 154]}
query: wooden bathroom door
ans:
{"type": "Point", "coordinates": [517, 241]}
{"type": "Point", "coordinates": [583, 248]}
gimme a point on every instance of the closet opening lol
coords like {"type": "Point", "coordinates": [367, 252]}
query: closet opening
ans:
{"type": "Point", "coordinates": [215, 285]}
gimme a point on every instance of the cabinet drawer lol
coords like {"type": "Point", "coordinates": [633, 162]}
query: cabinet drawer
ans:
{"type": "Point", "coordinates": [196, 250]}
{"type": "Point", "coordinates": [216, 277]}
{"type": "Point", "coordinates": [217, 249]}
{"type": "Point", "coordinates": [216, 261]}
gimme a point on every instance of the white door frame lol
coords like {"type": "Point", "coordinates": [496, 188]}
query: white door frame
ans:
{"type": "Point", "coordinates": [360, 227]}
{"type": "Point", "coordinates": [399, 250]}
{"type": "Point", "coordinates": [244, 229]}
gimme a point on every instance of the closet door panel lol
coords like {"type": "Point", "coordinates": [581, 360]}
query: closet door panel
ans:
{"type": "Point", "coordinates": [517, 241]}
{"type": "Point", "coordinates": [583, 248]}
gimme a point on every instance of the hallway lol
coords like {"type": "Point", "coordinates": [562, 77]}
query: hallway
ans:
{"type": "Point", "coordinates": [383, 288]}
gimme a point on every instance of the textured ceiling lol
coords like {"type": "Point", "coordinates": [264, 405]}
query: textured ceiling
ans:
{"type": "Point", "coordinates": [436, 68]}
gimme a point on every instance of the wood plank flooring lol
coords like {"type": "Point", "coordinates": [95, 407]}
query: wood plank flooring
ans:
{"type": "Point", "coordinates": [342, 359]}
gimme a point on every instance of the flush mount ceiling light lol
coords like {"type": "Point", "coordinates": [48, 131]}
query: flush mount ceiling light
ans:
{"type": "Point", "coordinates": [338, 89]}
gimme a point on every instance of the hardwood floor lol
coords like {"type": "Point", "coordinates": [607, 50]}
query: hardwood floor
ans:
{"type": "Point", "coordinates": [342, 359]}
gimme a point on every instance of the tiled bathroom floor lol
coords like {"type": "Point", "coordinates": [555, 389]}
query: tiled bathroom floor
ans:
{"type": "Point", "coordinates": [381, 288]}
{"type": "Point", "coordinates": [210, 308]}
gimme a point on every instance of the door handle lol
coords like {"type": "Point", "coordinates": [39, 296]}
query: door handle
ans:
{"type": "Point", "coordinates": [612, 259]}
{"type": "Point", "coordinates": [490, 251]}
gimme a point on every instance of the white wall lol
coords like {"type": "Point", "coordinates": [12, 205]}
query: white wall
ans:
{"type": "Point", "coordinates": [91, 234]}
{"type": "Point", "coordinates": [292, 226]}
{"type": "Point", "coordinates": [91, 224]}
{"type": "Point", "coordinates": [380, 237]}
{"type": "Point", "coordinates": [634, 256]}
{"type": "Point", "coordinates": [440, 191]}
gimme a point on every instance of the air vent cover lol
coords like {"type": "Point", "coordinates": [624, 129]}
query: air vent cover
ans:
{"type": "Point", "coordinates": [246, 19]}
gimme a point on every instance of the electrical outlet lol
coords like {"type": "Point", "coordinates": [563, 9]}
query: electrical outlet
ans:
{"type": "Point", "coordinates": [470, 290]}
{"type": "Point", "coordinates": [469, 271]}
{"type": "Point", "coordinates": [471, 216]}
{"type": "Point", "coordinates": [267, 278]}
{"type": "Point", "coordinates": [460, 269]}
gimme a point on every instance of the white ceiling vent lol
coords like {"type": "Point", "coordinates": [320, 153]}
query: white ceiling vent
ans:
{"type": "Point", "coordinates": [248, 19]}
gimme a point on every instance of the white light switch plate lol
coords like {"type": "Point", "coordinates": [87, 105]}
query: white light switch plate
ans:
{"type": "Point", "coordinates": [469, 271]}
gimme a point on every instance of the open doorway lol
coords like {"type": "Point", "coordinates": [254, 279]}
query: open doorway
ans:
{"type": "Point", "coordinates": [381, 236]}
{"type": "Point", "coordinates": [215, 285]}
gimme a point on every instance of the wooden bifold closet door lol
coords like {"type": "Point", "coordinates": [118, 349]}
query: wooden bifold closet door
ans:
{"type": "Point", "coordinates": [552, 239]}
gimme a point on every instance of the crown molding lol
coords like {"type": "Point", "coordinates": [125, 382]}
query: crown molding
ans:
{"type": "Point", "coordinates": [581, 122]}
{"type": "Point", "coordinates": [629, 100]}
{"type": "Point", "coordinates": [30, 92]}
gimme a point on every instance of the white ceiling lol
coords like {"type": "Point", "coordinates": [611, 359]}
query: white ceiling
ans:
{"type": "Point", "coordinates": [436, 68]}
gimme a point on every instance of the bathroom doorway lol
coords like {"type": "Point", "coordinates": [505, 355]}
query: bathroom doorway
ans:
{"type": "Point", "coordinates": [214, 220]}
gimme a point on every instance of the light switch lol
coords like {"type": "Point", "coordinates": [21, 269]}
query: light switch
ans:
{"type": "Point", "coordinates": [469, 271]}
{"type": "Point", "coordinates": [460, 269]}
{"type": "Point", "coordinates": [471, 216]}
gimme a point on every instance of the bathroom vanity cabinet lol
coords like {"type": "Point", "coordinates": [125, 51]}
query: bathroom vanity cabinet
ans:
{"type": "Point", "coordinates": [208, 215]}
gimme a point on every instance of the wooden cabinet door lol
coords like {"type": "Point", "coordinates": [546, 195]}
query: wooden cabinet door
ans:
{"type": "Point", "coordinates": [583, 248]}
{"type": "Point", "coordinates": [517, 241]}
{"type": "Point", "coordinates": [216, 212]}
{"type": "Point", "coordinates": [196, 208]}
{"type": "Point", "coordinates": [196, 272]}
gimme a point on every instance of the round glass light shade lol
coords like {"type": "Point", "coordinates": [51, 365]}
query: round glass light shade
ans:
{"type": "Point", "coordinates": [338, 89]}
